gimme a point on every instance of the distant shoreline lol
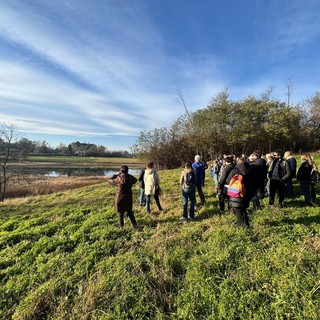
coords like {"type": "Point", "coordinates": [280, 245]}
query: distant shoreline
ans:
{"type": "Point", "coordinates": [78, 162]}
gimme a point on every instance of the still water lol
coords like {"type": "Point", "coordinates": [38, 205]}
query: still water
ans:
{"type": "Point", "coordinates": [75, 172]}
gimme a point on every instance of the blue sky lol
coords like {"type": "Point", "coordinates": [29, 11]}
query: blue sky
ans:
{"type": "Point", "coordinates": [100, 71]}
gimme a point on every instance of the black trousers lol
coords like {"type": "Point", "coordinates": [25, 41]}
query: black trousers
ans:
{"type": "Point", "coordinates": [200, 192]}
{"type": "Point", "coordinates": [130, 215]}
{"type": "Point", "coordinates": [222, 198]}
{"type": "Point", "coordinates": [313, 192]}
{"type": "Point", "coordinates": [242, 217]}
{"type": "Point", "coordinates": [276, 186]}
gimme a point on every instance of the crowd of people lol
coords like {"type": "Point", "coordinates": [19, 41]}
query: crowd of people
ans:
{"type": "Point", "coordinates": [269, 176]}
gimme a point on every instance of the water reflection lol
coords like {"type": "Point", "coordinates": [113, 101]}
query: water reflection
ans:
{"type": "Point", "coordinates": [75, 172]}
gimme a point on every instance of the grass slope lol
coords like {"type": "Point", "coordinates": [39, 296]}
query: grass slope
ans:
{"type": "Point", "coordinates": [63, 257]}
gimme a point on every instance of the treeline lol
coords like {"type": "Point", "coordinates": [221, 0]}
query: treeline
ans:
{"type": "Point", "coordinates": [21, 148]}
{"type": "Point", "coordinates": [236, 127]}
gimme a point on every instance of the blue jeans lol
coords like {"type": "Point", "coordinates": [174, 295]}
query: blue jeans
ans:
{"type": "Point", "coordinates": [289, 188]}
{"type": "Point", "coordinates": [189, 194]}
{"type": "Point", "coordinates": [142, 199]}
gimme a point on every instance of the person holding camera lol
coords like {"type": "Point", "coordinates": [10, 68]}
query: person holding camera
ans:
{"type": "Point", "coordinates": [123, 202]}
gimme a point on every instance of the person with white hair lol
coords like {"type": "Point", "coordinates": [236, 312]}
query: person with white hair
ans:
{"type": "Point", "coordinates": [199, 168]}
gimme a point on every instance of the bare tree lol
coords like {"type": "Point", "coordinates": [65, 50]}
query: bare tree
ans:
{"type": "Point", "coordinates": [289, 89]}
{"type": "Point", "coordinates": [8, 154]}
{"type": "Point", "coordinates": [188, 113]}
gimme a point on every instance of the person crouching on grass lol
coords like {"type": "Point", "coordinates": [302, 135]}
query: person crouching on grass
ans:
{"type": "Point", "coordinates": [123, 202]}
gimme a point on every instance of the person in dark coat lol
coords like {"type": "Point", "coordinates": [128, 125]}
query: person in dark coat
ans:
{"type": "Point", "coordinates": [314, 179]}
{"type": "Point", "coordinates": [240, 205]}
{"type": "Point", "coordinates": [303, 176]}
{"type": "Point", "coordinates": [222, 189]}
{"type": "Point", "coordinates": [142, 198]}
{"type": "Point", "coordinates": [259, 169]}
{"type": "Point", "coordinates": [123, 202]}
{"type": "Point", "coordinates": [279, 172]}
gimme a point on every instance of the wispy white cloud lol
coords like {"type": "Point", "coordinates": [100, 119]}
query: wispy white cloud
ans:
{"type": "Point", "coordinates": [135, 82]}
{"type": "Point", "coordinates": [101, 68]}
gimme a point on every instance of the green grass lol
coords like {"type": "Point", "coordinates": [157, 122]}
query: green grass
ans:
{"type": "Point", "coordinates": [63, 257]}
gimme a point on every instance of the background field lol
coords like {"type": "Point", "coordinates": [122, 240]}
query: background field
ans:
{"type": "Point", "coordinates": [56, 161]}
{"type": "Point", "coordinates": [63, 257]}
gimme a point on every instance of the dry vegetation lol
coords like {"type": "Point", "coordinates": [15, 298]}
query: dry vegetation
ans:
{"type": "Point", "coordinates": [35, 185]}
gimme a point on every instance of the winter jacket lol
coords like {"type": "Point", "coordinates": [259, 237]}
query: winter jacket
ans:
{"type": "Point", "coordinates": [244, 170]}
{"type": "Point", "coordinates": [223, 177]}
{"type": "Point", "coordinates": [293, 166]}
{"type": "Point", "coordinates": [124, 183]}
{"type": "Point", "coordinates": [284, 171]}
{"type": "Point", "coordinates": [183, 178]}
{"type": "Point", "coordinates": [199, 168]}
{"type": "Point", "coordinates": [151, 180]}
{"type": "Point", "coordinates": [304, 172]}
{"type": "Point", "coordinates": [141, 179]}
{"type": "Point", "coordinates": [259, 171]}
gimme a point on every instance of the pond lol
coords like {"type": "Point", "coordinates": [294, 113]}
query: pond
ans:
{"type": "Point", "coordinates": [75, 172]}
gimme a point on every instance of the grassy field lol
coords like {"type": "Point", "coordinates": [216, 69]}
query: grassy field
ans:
{"type": "Point", "coordinates": [63, 257]}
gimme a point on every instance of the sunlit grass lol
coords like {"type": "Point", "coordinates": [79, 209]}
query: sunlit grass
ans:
{"type": "Point", "coordinates": [64, 257]}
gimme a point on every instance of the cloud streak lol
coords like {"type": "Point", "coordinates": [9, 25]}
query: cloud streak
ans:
{"type": "Point", "coordinates": [103, 68]}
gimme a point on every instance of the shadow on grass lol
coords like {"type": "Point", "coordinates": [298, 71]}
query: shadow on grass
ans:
{"type": "Point", "coordinates": [300, 220]}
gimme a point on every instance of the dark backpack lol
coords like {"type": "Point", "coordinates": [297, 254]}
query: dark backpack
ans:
{"type": "Point", "coordinates": [314, 175]}
{"type": "Point", "coordinates": [190, 179]}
